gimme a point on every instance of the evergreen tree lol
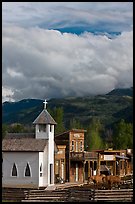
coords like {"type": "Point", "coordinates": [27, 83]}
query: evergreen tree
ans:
{"type": "Point", "coordinates": [75, 124]}
{"type": "Point", "coordinates": [123, 135]}
{"type": "Point", "coordinates": [108, 133]}
{"type": "Point", "coordinates": [4, 130]}
{"type": "Point", "coordinates": [129, 133]}
{"type": "Point", "coordinates": [57, 114]}
{"type": "Point", "coordinates": [94, 140]}
{"type": "Point", "coordinates": [16, 128]}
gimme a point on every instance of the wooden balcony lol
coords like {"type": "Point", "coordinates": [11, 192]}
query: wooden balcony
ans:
{"type": "Point", "coordinates": [76, 156]}
{"type": "Point", "coordinates": [90, 155]}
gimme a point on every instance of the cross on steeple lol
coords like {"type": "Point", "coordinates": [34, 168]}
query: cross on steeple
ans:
{"type": "Point", "coordinates": [45, 103]}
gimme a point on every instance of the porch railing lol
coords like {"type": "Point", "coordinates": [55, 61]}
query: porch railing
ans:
{"type": "Point", "coordinates": [79, 156]}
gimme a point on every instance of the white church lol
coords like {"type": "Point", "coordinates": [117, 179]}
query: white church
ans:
{"type": "Point", "coordinates": [28, 159]}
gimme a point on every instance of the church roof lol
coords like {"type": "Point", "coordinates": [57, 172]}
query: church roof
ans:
{"type": "Point", "coordinates": [19, 135]}
{"type": "Point", "coordinates": [23, 143]}
{"type": "Point", "coordinates": [44, 118]}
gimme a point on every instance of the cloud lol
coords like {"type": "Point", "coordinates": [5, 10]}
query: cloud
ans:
{"type": "Point", "coordinates": [90, 16]}
{"type": "Point", "coordinates": [39, 63]}
{"type": "Point", "coordinates": [7, 94]}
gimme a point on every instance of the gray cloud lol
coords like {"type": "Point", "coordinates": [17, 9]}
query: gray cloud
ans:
{"type": "Point", "coordinates": [39, 63]}
{"type": "Point", "coordinates": [108, 16]}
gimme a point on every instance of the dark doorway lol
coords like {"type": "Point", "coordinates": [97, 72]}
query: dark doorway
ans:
{"type": "Point", "coordinates": [86, 170]}
{"type": "Point", "coordinates": [51, 173]}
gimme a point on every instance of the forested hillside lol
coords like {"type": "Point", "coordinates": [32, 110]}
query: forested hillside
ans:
{"type": "Point", "coordinates": [107, 118]}
{"type": "Point", "coordinates": [109, 108]}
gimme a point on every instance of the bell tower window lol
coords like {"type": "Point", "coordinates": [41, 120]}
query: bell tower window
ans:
{"type": "Point", "coordinates": [42, 128]}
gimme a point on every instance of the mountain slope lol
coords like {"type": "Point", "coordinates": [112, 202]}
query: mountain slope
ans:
{"type": "Point", "coordinates": [109, 108]}
{"type": "Point", "coordinates": [122, 92]}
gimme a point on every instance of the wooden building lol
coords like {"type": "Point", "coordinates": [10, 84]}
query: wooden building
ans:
{"type": "Point", "coordinates": [73, 163]}
{"type": "Point", "coordinates": [60, 163]}
{"type": "Point", "coordinates": [90, 164]}
{"type": "Point", "coordinates": [74, 153]}
{"type": "Point", "coordinates": [116, 162]}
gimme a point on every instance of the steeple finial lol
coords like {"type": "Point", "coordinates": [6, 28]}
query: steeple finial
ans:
{"type": "Point", "coordinates": [45, 103]}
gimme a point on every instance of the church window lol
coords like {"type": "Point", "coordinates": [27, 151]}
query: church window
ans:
{"type": "Point", "coordinates": [42, 128]}
{"type": "Point", "coordinates": [41, 170]}
{"type": "Point", "coordinates": [27, 170]}
{"type": "Point", "coordinates": [14, 170]}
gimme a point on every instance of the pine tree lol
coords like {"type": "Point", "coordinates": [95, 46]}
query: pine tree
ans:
{"type": "Point", "coordinates": [123, 135]}
{"type": "Point", "coordinates": [75, 124]}
{"type": "Point", "coordinates": [94, 140]}
{"type": "Point", "coordinates": [58, 114]}
{"type": "Point", "coordinates": [4, 130]}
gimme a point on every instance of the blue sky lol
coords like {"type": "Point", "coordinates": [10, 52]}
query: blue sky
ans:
{"type": "Point", "coordinates": [63, 49]}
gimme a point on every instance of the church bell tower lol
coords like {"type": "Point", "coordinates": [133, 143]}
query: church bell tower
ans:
{"type": "Point", "coordinates": [44, 129]}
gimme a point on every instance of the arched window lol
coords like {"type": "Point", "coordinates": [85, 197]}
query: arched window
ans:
{"type": "Point", "coordinates": [14, 170]}
{"type": "Point", "coordinates": [27, 170]}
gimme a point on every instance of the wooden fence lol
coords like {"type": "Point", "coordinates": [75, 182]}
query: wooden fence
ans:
{"type": "Point", "coordinates": [70, 194]}
{"type": "Point", "coordinates": [13, 194]}
{"type": "Point", "coordinates": [80, 195]}
{"type": "Point", "coordinates": [113, 195]}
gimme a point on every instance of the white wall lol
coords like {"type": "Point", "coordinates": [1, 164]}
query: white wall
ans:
{"type": "Point", "coordinates": [51, 155]}
{"type": "Point", "coordinates": [20, 159]}
{"type": "Point", "coordinates": [42, 135]}
{"type": "Point", "coordinates": [43, 157]}
{"type": "Point", "coordinates": [34, 159]}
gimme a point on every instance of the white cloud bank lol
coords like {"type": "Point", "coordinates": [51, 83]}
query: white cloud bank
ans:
{"type": "Point", "coordinates": [38, 63]}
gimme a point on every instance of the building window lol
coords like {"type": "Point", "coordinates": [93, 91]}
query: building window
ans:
{"type": "Point", "coordinates": [14, 170]}
{"type": "Point", "coordinates": [42, 128]}
{"type": "Point", "coordinates": [27, 170]}
{"type": "Point", "coordinates": [41, 170]}
{"type": "Point", "coordinates": [72, 146]}
{"type": "Point", "coordinates": [57, 167]}
{"type": "Point", "coordinates": [81, 146]}
{"type": "Point", "coordinates": [95, 165]}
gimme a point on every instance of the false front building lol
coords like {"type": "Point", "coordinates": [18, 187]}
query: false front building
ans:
{"type": "Point", "coordinates": [79, 164]}
{"type": "Point", "coordinates": [74, 154]}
